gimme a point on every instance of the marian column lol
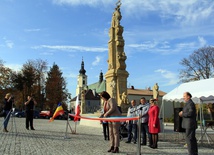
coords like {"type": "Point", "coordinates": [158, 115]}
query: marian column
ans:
{"type": "Point", "coordinates": [116, 76]}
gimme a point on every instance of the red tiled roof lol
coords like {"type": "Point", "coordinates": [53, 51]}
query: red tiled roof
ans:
{"type": "Point", "coordinates": [144, 92]}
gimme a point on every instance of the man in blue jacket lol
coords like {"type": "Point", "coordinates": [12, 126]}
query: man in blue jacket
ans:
{"type": "Point", "coordinates": [132, 125]}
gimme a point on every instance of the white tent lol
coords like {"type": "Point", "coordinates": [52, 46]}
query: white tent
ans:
{"type": "Point", "coordinates": [202, 92]}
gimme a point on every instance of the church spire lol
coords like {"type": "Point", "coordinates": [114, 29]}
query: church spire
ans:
{"type": "Point", "coordinates": [81, 80]}
{"type": "Point", "coordinates": [82, 70]}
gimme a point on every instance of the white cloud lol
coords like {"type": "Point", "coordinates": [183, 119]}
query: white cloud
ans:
{"type": "Point", "coordinates": [96, 61]}
{"type": "Point", "coordinates": [170, 77]}
{"type": "Point", "coordinates": [166, 33]}
{"type": "Point", "coordinates": [72, 48]}
{"type": "Point", "coordinates": [46, 53]}
{"type": "Point", "coordinates": [15, 67]}
{"type": "Point", "coordinates": [163, 47]}
{"type": "Point", "coordinates": [202, 41]}
{"type": "Point", "coordinates": [181, 12]}
{"type": "Point", "coordinates": [32, 30]}
{"type": "Point", "coordinates": [145, 45]}
{"type": "Point", "coordinates": [83, 2]}
{"type": "Point", "coordinates": [9, 43]}
{"type": "Point", "coordinates": [187, 46]}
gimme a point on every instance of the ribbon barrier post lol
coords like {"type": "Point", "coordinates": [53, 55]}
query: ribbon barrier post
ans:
{"type": "Point", "coordinates": [75, 127]}
{"type": "Point", "coordinates": [139, 129]}
{"type": "Point", "coordinates": [68, 125]}
{"type": "Point", "coordinates": [66, 132]}
{"type": "Point", "coordinates": [139, 135]}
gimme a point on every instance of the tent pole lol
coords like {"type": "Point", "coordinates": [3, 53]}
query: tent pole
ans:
{"type": "Point", "coordinates": [201, 111]}
{"type": "Point", "coordinates": [162, 107]}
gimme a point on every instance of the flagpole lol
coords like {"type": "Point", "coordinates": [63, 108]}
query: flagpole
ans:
{"type": "Point", "coordinates": [77, 112]}
{"type": "Point", "coordinates": [75, 126]}
{"type": "Point", "coordinates": [66, 132]}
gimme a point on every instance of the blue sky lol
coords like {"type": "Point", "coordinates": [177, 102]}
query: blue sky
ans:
{"type": "Point", "coordinates": [157, 34]}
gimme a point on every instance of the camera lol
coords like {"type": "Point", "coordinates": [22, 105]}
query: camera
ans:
{"type": "Point", "coordinates": [12, 97]}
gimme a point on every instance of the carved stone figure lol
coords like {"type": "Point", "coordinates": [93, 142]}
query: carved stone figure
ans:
{"type": "Point", "coordinates": [116, 17]}
{"type": "Point", "coordinates": [124, 98]}
{"type": "Point", "coordinates": [112, 85]}
{"type": "Point", "coordinates": [155, 91]}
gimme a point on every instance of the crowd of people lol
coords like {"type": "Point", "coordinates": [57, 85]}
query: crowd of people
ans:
{"type": "Point", "coordinates": [150, 124]}
{"type": "Point", "coordinates": [148, 113]}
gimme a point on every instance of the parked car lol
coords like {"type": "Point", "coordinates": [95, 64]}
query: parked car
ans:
{"type": "Point", "coordinates": [22, 114]}
{"type": "Point", "coordinates": [60, 116]}
{"type": "Point", "coordinates": [36, 114]}
{"type": "Point", "coordinates": [45, 114]}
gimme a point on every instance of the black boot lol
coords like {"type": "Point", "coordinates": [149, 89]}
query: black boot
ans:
{"type": "Point", "coordinates": [5, 130]}
{"type": "Point", "coordinates": [154, 146]}
{"type": "Point", "coordinates": [111, 149]}
{"type": "Point", "coordinates": [155, 141]}
{"type": "Point", "coordinates": [116, 150]}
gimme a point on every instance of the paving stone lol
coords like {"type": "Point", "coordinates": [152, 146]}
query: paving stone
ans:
{"type": "Point", "coordinates": [51, 139]}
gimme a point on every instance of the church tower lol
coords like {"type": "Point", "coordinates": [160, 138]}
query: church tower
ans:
{"type": "Point", "coordinates": [116, 76]}
{"type": "Point", "coordinates": [81, 80]}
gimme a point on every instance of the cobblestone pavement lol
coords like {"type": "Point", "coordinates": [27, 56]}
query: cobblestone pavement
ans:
{"type": "Point", "coordinates": [51, 139]}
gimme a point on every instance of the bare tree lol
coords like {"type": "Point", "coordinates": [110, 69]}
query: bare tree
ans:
{"type": "Point", "coordinates": [41, 70]}
{"type": "Point", "coordinates": [199, 65]}
{"type": "Point", "coordinates": [30, 79]}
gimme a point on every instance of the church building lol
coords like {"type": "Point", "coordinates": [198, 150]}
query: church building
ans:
{"type": "Point", "coordinates": [91, 92]}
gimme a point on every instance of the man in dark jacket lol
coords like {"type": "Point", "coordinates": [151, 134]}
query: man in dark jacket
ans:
{"type": "Point", "coordinates": [29, 104]}
{"type": "Point", "coordinates": [189, 123]}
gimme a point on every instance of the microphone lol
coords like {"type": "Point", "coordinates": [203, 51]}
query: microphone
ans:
{"type": "Point", "coordinates": [137, 109]}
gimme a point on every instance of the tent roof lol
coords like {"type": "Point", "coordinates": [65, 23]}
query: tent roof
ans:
{"type": "Point", "coordinates": [202, 91]}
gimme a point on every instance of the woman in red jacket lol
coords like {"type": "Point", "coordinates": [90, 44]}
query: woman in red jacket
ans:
{"type": "Point", "coordinates": [154, 123]}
